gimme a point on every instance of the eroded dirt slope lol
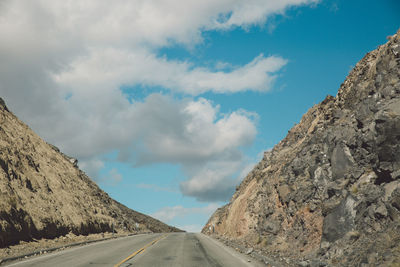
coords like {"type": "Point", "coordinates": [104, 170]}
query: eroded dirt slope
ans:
{"type": "Point", "coordinates": [43, 193]}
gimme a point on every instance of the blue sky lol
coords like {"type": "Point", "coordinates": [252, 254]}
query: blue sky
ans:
{"type": "Point", "coordinates": [168, 105]}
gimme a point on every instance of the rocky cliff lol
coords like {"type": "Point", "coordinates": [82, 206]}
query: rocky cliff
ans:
{"type": "Point", "coordinates": [43, 194]}
{"type": "Point", "coordinates": [329, 192]}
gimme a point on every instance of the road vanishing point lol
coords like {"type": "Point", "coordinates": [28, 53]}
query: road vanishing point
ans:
{"type": "Point", "coordinates": [171, 249]}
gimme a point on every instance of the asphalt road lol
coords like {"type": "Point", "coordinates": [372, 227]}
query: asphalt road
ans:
{"type": "Point", "coordinates": [173, 249]}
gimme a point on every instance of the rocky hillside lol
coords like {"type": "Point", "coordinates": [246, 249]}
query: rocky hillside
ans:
{"type": "Point", "coordinates": [43, 194]}
{"type": "Point", "coordinates": [329, 193]}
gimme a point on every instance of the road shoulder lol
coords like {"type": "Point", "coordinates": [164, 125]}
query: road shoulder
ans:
{"type": "Point", "coordinates": [210, 244]}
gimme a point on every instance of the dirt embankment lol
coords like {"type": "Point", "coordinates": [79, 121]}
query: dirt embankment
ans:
{"type": "Point", "coordinates": [43, 193]}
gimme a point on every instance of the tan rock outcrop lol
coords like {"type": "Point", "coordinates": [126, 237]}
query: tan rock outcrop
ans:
{"type": "Point", "coordinates": [329, 191]}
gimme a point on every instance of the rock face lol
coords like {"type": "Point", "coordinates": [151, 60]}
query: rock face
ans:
{"type": "Point", "coordinates": [330, 190]}
{"type": "Point", "coordinates": [43, 194]}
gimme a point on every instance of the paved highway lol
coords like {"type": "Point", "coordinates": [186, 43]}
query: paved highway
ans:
{"type": "Point", "coordinates": [172, 249]}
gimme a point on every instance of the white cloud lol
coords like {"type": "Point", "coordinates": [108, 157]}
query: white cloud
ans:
{"type": "Point", "coordinates": [191, 228]}
{"type": "Point", "coordinates": [92, 166]}
{"type": "Point", "coordinates": [156, 188]}
{"type": "Point", "coordinates": [109, 68]}
{"type": "Point", "coordinates": [216, 180]}
{"type": "Point", "coordinates": [250, 12]}
{"type": "Point", "coordinates": [62, 64]}
{"type": "Point", "coordinates": [188, 131]}
{"type": "Point", "coordinates": [94, 45]}
{"type": "Point", "coordinates": [167, 214]}
{"type": "Point", "coordinates": [112, 177]}
{"type": "Point", "coordinates": [145, 22]}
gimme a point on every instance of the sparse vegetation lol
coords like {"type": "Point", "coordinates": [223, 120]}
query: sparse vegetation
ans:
{"type": "Point", "coordinates": [354, 189]}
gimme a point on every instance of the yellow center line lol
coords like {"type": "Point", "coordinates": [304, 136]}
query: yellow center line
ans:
{"type": "Point", "coordinates": [140, 250]}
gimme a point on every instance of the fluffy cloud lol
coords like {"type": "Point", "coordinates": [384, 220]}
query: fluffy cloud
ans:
{"type": "Point", "coordinates": [155, 23]}
{"type": "Point", "coordinates": [187, 132]}
{"type": "Point", "coordinates": [214, 181]}
{"type": "Point", "coordinates": [167, 214]}
{"type": "Point", "coordinates": [109, 68]}
{"type": "Point", "coordinates": [92, 166]}
{"type": "Point", "coordinates": [92, 44]}
{"type": "Point", "coordinates": [217, 180]}
{"type": "Point", "coordinates": [156, 188]}
{"type": "Point", "coordinates": [113, 177]}
{"type": "Point", "coordinates": [247, 13]}
{"type": "Point", "coordinates": [191, 228]}
{"type": "Point", "coordinates": [62, 64]}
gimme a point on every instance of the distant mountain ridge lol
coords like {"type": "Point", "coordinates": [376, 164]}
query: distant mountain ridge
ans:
{"type": "Point", "coordinates": [329, 192]}
{"type": "Point", "coordinates": [43, 193]}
